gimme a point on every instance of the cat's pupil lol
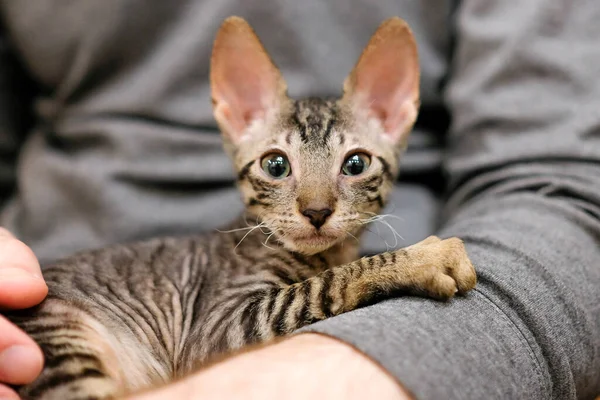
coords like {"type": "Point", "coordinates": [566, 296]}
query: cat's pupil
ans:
{"type": "Point", "coordinates": [355, 164]}
{"type": "Point", "coordinates": [276, 165]}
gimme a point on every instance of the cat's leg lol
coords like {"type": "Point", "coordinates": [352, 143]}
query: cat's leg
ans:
{"type": "Point", "coordinates": [433, 268]}
{"type": "Point", "coordinates": [80, 358]}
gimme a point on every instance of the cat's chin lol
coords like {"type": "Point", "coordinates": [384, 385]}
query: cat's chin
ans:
{"type": "Point", "coordinates": [310, 245]}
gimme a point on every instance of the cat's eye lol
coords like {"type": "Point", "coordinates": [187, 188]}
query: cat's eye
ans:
{"type": "Point", "coordinates": [276, 165]}
{"type": "Point", "coordinates": [356, 164]}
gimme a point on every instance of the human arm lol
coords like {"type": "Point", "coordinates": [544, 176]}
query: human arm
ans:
{"type": "Point", "coordinates": [306, 366]}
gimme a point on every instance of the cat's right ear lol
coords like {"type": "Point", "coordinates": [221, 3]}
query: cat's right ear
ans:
{"type": "Point", "coordinates": [246, 85]}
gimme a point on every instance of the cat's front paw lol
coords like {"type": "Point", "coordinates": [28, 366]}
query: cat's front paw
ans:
{"type": "Point", "coordinates": [442, 268]}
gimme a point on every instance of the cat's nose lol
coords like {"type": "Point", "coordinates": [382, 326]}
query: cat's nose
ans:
{"type": "Point", "coordinates": [317, 217]}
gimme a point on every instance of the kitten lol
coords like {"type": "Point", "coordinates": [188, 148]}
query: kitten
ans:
{"type": "Point", "coordinates": [312, 173]}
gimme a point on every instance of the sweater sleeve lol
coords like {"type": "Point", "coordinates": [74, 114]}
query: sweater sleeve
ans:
{"type": "Point", "coordinates": [524, 166]}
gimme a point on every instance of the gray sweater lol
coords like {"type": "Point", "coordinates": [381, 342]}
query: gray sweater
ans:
{"type": "Point", "coordinates": [106, 134]}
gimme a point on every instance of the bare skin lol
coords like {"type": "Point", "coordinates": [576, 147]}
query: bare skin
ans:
{"type": "Point", "coordinates": [306, 366]}
{"type": "Point", "coordinates": [21, 286]}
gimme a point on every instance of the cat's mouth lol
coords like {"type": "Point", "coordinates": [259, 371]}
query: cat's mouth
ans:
{"type": "Point", "coordinates": [312, 244]}
{"type": "Point", "coordinates": [316, 239]}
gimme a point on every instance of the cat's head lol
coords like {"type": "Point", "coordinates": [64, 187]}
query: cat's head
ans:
{"type": "Point", "coordinates": [314, 171]}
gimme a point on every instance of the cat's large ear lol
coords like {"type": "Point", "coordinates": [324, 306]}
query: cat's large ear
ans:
{"type": "Point", "coordinates": [384, 84]}
{"type": "Point", "coordinates": [246, 85]}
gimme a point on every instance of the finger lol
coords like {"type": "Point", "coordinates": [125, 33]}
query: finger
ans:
{"type": "Point", "coordinates": [16, 254]}
{"type": "Point", "coordinates": [21, 282]}
{"type": "Point", "coordinates": [21, 360]}
{"type": "Point", "coordinates": [7, 393]}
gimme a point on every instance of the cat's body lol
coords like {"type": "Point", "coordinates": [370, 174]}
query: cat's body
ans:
{"type": "Point", "coordinates": [156, 309]}
{"type": "Point", "coordinates": [312, 174]}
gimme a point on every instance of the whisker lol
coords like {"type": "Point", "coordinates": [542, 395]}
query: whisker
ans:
{"type": "Point", "coordinates": [267, 241]}
{"type": "Point", "coordinates": [381, 218]}
{"type": "Point", "coordinates": [394, 232]}
{"type": "Point", "coordinates": [375, 216]}
{"type": "Point", "coordinates": [236, 230]}
{"type": "Point", "coordinates": [392, 216]}
{"type": "Point", "coordinates": [355, 238]}
{"type": "Point", "coordinates": [246, 235]}
{"type": "Point", "coordinates": [387, 246]}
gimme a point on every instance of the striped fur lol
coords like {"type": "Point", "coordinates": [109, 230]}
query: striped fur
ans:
{"type": "Point", "coordinates": [128, 317]}
{"type": "Point", "coordinates": [131, 316]}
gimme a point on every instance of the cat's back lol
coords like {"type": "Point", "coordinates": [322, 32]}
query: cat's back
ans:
{"type": "Point", "coordinates": [164, 271]}
{"type": "Point", "coordinates": [155, 278]}
{"type": "Point", "coordinates": [125, 314]}
{"type": "Point", "coordinates": [128, 305]}
{"type": "Point", "coordinates": [151, 285]}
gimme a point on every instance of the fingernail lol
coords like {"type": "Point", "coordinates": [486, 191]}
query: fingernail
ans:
{"type": "Point", "coordinates": [20, 364]}
{"type": "Point", "coordinates": [9, 274]}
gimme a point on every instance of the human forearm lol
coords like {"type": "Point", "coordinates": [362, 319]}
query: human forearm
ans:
{"type": "Point", "coordinates": [305, 366]}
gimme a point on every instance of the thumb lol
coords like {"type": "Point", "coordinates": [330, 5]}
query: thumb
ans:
{"type": "Point", "coordinates": [21, 282]}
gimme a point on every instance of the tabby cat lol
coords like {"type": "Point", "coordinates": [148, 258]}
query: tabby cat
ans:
{"type": "Point", "coordinates": [312, 173]}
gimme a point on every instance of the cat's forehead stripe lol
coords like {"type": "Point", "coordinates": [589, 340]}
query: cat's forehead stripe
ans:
{"type": "Point", "coordinates": [314, 119]}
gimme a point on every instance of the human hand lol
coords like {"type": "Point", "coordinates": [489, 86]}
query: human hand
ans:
{"type": "Point", "coordinates": [307, 366]}
{"type": "Point", "coordinates": [21, 286]}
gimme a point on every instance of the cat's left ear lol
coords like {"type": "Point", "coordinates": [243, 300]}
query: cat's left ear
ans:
{"type": "Point", "coordinates": [246, 85]}
{"type": "Point", "coordinates": [384, 84]}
